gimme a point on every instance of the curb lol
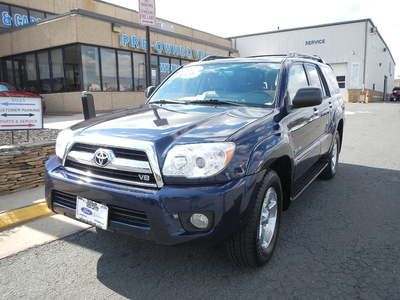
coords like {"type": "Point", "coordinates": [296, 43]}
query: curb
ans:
{"type": "Point", "coordinates": [22, 215]}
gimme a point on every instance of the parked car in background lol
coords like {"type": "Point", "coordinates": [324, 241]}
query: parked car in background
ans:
{"type": "Point", "coordinates": [219, 150]}
{"type": "Point", "coordinates": [9, 90]}
{"type": "Point", "coordinates": [395, 94]}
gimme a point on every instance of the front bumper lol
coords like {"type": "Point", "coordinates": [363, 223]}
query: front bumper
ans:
{"type": "Point", "coordinates": [167, 209]}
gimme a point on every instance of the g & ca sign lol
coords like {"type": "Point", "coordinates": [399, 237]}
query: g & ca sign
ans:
{"type": "Point", "coordinates": [17, 19]}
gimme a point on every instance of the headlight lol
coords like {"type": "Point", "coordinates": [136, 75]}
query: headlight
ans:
{"type": "Point", "coordinates": [198, 160]}
{"type": "Point", "coordinates": [64, 138]}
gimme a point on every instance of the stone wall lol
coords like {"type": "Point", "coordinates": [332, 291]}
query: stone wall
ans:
{"type": "Point", "coordinates": [22, 166]}
{"type": "Point", "coordinates": [18, 137]}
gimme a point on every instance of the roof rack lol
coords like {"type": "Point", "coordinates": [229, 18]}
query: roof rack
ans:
{"type": "Point", "coordinates": [266, 55]}
{"type": "Point", "coordinates": [212, 57]}
{"type": "Point", "coordinates": [292, 55]}
{"type": "Point", "coordinates": [308, 56]}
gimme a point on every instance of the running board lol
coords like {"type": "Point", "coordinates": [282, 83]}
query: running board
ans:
{"type": "Point", "coordinates": [315, 172]}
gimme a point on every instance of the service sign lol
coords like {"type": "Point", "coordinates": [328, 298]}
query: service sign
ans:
{"type": "Point", "coordinates": [147, 12]}
{"type": "Point", "coordinates": [19, 113]}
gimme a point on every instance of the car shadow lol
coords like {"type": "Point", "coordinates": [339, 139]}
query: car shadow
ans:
{"type": "Point", "coordinates": [328, 240]}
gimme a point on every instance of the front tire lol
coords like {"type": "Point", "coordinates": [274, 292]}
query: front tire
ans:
{"type": "Point", "coordinates": [254, 244]}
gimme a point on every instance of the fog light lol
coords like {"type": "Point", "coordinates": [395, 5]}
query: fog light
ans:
{"type": "Point", "coordinates": [199, 220]}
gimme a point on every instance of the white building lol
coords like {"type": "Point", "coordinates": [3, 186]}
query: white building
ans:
{"type": "Point", "coordinates": [355, 49]}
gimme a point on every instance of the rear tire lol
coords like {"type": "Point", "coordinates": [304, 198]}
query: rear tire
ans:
{"type": "Point", "coordinates": [254, 244]}
{"type": "Point", "coordinates": [330, 171]}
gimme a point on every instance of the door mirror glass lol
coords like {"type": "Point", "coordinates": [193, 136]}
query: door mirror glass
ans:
{"type": "Point", "coordinates": [306, 97]}
{"type": "Point", "coordinates": [149, 91]}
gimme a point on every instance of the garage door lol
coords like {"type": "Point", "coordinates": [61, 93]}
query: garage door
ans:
{"type": "Point", "coordinates": [341, 76]}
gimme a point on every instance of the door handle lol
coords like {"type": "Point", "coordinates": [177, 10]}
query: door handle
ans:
{"type": "Point", "coordinates": [316, 111]}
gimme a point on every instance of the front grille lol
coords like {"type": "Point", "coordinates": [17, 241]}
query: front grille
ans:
{"type": "Point", "coordinates": [128, 166]}
{"type": "Point", "coordinates": [110, 173]}
{"type": "Point", "coordinates": [64, 199]}
{"type": "Point", "coordinates": [129, 216]}
{"type": "Point", "coordinates": [116, 214]}
{"type": "Point", "coordinates": [119, 152]}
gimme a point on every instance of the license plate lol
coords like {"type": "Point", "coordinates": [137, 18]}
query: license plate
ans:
{"type": "Point", "coordinates": [91, 212]}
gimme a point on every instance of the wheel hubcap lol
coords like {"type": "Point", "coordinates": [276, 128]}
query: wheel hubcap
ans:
{"type": "Point", "coordinates": [334, 156]}
{"type": "Point", "coordinates": [269, 213]}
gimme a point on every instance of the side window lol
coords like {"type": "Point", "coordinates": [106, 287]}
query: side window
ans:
{"type": "Point", "coordinates": [331, 79]}
{"type": "Point", "coordinates": [313, 76]}
{"type": "Point", "coordinates": [297, 80]}
{"type": "Point", "coordinates": [315, 79]}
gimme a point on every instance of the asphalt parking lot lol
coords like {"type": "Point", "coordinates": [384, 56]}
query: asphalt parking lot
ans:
{"type": "Point", "coordinates": [340, 239]}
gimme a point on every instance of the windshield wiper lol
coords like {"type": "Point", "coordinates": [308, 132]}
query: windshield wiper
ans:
{"type": "Point", "coordinates": [167, 102]}
{"type": "Point", "coordinates": [214, 102]}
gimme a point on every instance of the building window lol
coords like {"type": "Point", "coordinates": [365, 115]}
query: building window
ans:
{"type": "Point", "coordinates": [9, 71]}
{"type": "Point", "coordinates": [125, 71]}
{"type": "Point", "coordinates": [155, 80]}
{"type": "Point", "coordinates": [341, 81]}
{"type": "Point", "coordinates": [19, 71]}
{"type": "Point", "coordinates": [44, 71]}
{"type": "Point", "coordinates": [90, 68]}
{"type": "Point", "coordinates": [57, 70]}
{"type": "Point", "coordinates": [36, 16]}
{"type": "Point", "coordinates": [139, 71]}
{"type": "Point", "coordinates": [164, 67]}
{"type": "Point", "coordinates": [49, 15]}
{"type": "Point", "coordinates": [31, 73]}
{"type": "Point", "coordinates": [5, 18]}
{"type": "Point", "coordinates": [72, 61]}
{"type": "Point", "coordinates": [185, 62]}
{"type": "Point", "coordinates": [15, 16]}
{"type": "Point", "coordinates": [19, 16]}
{"type": "Point", "coordinates": [175, 64]}
{"type": "Point", "coordinates": [108, 69]}
{"type": "Point", "coordinates": [82, 67]}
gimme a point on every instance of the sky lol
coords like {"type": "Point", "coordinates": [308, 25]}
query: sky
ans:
{"type": "Point", "coordinates": [231, 17]}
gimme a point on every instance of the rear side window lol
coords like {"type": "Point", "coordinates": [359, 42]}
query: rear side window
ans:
{"type": "Point", "coordinates": [297, 80]}
{"type": "Point", "coordinates": [331, 80]}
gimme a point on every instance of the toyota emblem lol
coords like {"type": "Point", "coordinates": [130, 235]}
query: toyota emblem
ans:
{"type": "Point", "coordinates": [102, 157]}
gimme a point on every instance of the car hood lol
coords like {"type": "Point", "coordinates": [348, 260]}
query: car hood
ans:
{"type": "Point", "coordinates": [169, 123]}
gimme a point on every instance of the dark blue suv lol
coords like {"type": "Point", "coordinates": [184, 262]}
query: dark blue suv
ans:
{"type": "Point", "coordinates": [221, 147]}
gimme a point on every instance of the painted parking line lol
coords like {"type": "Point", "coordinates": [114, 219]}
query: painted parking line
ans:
{"type": "Point", "coordinates": [25, 214]}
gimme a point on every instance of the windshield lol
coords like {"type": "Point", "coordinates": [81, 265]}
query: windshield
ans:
{"type": "Point", "coordinates": [4, 87]}
{"type": "Point", "coordinates": [243, 83]}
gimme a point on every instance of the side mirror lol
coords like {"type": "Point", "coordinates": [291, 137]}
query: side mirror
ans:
{"type": "Point", "coordinates": [149, 91]}
{"type": "Point", "coordinates": [306, 97]}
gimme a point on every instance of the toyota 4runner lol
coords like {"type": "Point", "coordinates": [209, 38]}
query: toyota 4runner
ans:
{"type": "Point", "coordinates": [221, 147]}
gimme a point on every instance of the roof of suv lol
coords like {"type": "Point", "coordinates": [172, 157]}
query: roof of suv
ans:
{"type": "Point", "coordinates": [262, 58]}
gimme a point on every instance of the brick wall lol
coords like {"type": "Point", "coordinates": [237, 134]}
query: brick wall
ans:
{"type": "Point", "coordinates": [355, 95]}
{"type": "Point", "coordinates": [22, 166]}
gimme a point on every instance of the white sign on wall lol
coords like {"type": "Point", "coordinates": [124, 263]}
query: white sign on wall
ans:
{"type": "Point", "coordinates": [147, 12]}
{"type": "Point", "coordinates": [19, 113]}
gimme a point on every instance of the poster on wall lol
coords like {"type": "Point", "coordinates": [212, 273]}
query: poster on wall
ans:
{"type": "Point", "coordinates": [354, 76]}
